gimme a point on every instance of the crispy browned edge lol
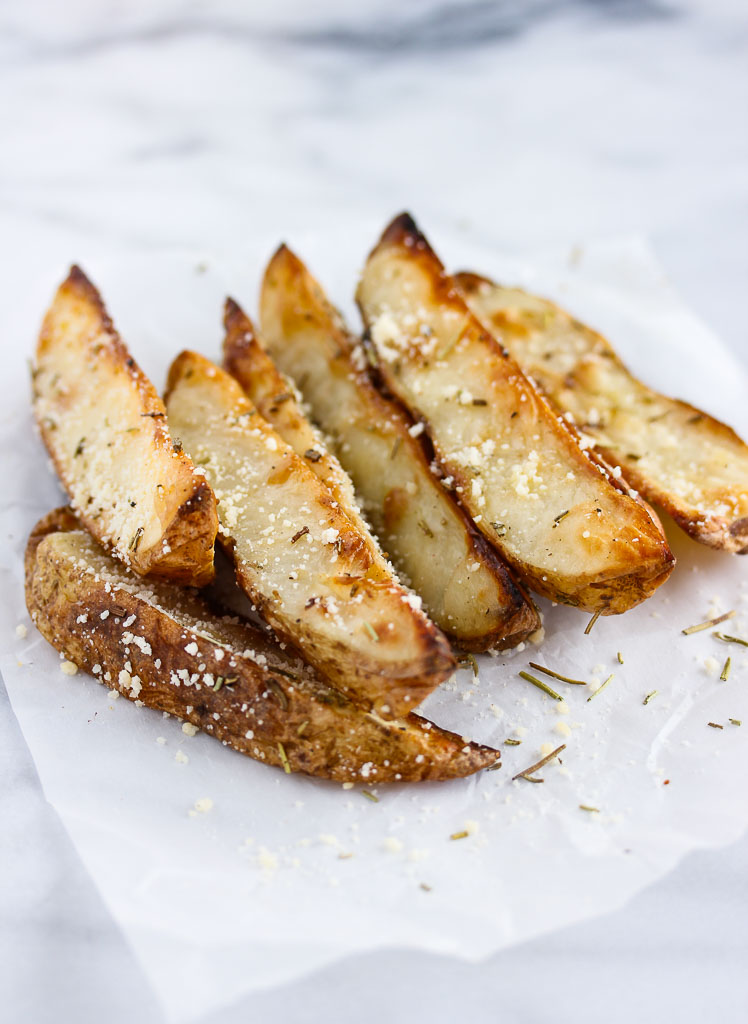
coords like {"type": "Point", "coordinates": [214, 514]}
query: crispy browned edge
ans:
{"type": "Point", "coordinates": [732, 537]}
{"type": "Point", "coordinates": [306, 726]}
{"type": "Point", "coordinates": [521, 617]}
{"type": "Point", "coordinates": [404, 684]}
{"type": "Point", "coordinates": [191, 534]}
{"type": "Point", "coordinates": [613, 594]}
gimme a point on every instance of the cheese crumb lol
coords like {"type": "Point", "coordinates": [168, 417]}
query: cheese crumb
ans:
{"type": "Point", "coordinates": [161, 740]}
{"type": "Point", "coordinates": [21, 631]}
{"type": "Point", "coordinates": [181, 758]}
{"type": "Point", "coordinates": [189, 729]}
{"type": "Point", "coordinates": [203, 805]}
{"type": "Point", "coordinates": [711, 665]}
{"type": "Point", "coordinates": [69, 667]}
{"type": "Point", "coordinates": [392, 844]}
{"type": "Point", "coordinates": [562, 729]}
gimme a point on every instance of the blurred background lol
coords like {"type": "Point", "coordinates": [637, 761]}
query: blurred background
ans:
{"type": "Point", "coordinates": [532, 122]}
{"type": "Point", "coordinates": [168, 124]}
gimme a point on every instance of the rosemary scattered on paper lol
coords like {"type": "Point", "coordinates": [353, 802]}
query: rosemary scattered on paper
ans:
{"type": "Point", "coordinates": [725, 673]}
{"type": "Point", "coordinates": [600, 688]}
{"type": "Point", "coordinates": [541, 685]}
{"type": "Point", "coordinates": [460, 835]}
{"type": "Point", "coordinates": [512, 743]}
{"type": "Point", "coordinates": [370, 796]}
{"type": "Point", "coordinates": [715, 725]}
{"type": "Point", "coordinates": [620, 658]}
{"type": "Point", "coordinates": [708, 624]}
{"type": "Point", "coordinates": [731, 639]}
{"type": "Point", "coordinates": [586, 807]}
{"type": "Point", "coordinates": [468, 661]}
{"type": "Point", "coordinates": [650, 696]}
{"type": "Point", "coordinates": [527, 772]}
{"type": "Point", "coordinates": [557, 675]}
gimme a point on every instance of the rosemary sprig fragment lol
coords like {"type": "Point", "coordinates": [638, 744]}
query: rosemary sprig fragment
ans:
{"type": "Point", "coordinates": [425, 886]}
{"type": "Point", "coordinates": [715, 725]}
{"type": "Point", "coordinates": [620, 658]}
{"type": "Point", "coordinates": [527, 772]}
{"type": "Point", "coordinates": [512, 743]}
{"type": "Point", "coordinates": [593, 620]}
{"type": "Point", "coordinates": [541, 685]}
{"type": "Point", "coordinates": [708, 624]}
{"type": "Point", "coordinates": [734, 721]}
{"type": "Point", "coordinates": [494, 767]}
{"type": "Point", "coordinates": [299, 534]}
{"type": "Point", "coordinates": [468, 661]}
{"type": "Point", "coordinates": [395, 447]}
{"type": "Point", "coordinates": [725, 673]}
{"type": "Point", "coordinates": [370, 796]}
{"type": "Point", "coordinates": [284, 759]}
{"type": "Point", "coordinates": [586, 807]}
{"type": "Point", "coordinates": [557, 675]}
{"type": "Point", "coordinates": [650, 696]}
{"type": "Point", "coordinates": [372, 632]}
{"type": "Point", "coordinates": [460, 835]}
{"type": "Point", "coordinates": [731, 639]}
{"type": "Point", "coordinates": [559, 517]}
{"type": "Point", "coordinates": [600, 688]}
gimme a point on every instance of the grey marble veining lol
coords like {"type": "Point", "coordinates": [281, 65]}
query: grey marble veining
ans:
{"type": "Point", "coordinates": [193, 124]}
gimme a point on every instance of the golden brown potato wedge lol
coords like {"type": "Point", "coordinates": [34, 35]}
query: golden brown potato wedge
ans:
{"type": "Point", "coordinates": [558, 517]}
{"type": "Point", "coordinates": [303, 563]}
{"type": "Point", "coordinates": [105, 428]}
{"type": "Point", "coordinates": [163, 646]}
{"type": "Point", "coordinates": [467, 589]}
{"type": "Point", "coordinates": [689, 463]}
{"type": "Point", "coordinates": [277, 400]}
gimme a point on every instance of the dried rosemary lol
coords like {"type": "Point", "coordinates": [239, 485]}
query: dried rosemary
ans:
{"type": "Point", "coordinates": [538, 764]}
{"type": "Point", "coordinates": [541, 685]}
{"type": "Point", "coordinates": [709, 622]}
{"type": "Point", "coordinates": [557, 675]}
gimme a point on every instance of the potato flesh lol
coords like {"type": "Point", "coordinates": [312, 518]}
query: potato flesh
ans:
{"type": "Point", "coordinates": [278, 402]}
{"type": "Point", "coordinates": [517, 469]}
{"type": "Point", "coordinates": [684, 459]}
{"type": "Point", "coordinates": [105, 428]}
{"type": "Point", "coordinates": [424, 533]}
{"type": "Point", "coordinates": [301, 560]}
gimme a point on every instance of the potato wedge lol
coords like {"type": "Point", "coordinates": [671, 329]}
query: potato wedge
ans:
{"type": "Point", "coordinates": [689, 463]}
{"type": "Point", "coordinates": [306, 567]}
{"type": "Point", "coordinates": [557, 516]}
{"type": "Point", "coordinates": [277, 400]}
{"type": "Point", "coordinates": [164, 646]}
{"type": "Point", "coordinates": [467, 589]}
{"type": "Point", "coordinates": [105, 429]}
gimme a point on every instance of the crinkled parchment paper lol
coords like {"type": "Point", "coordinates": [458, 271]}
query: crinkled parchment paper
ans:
{"type": "Point", "coordinates": [284, 874]}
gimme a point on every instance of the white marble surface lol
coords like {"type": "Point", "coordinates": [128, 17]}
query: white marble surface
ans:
{"type": "Point", "coordinates": [175, 124]}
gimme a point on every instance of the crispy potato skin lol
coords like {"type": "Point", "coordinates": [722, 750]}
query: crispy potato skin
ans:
{"type": "Point", "coordinates": [557, 515]}
{"type": "Point", "coordinates": [301, 561]}
{"type": "Point", "coordinates": [467, 589]}
{"type": "Point", "coordinates": [273, 701]}
{"type": "Point", "coordinates": [104, 427]}
{"type": "Point", "coordinates": [675, 455]}
{"type": "Point", "coordinates": [277, 400]}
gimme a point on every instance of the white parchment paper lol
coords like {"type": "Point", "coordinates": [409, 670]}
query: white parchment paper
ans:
{"type": "Point", "coordinates": [285, 874]}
